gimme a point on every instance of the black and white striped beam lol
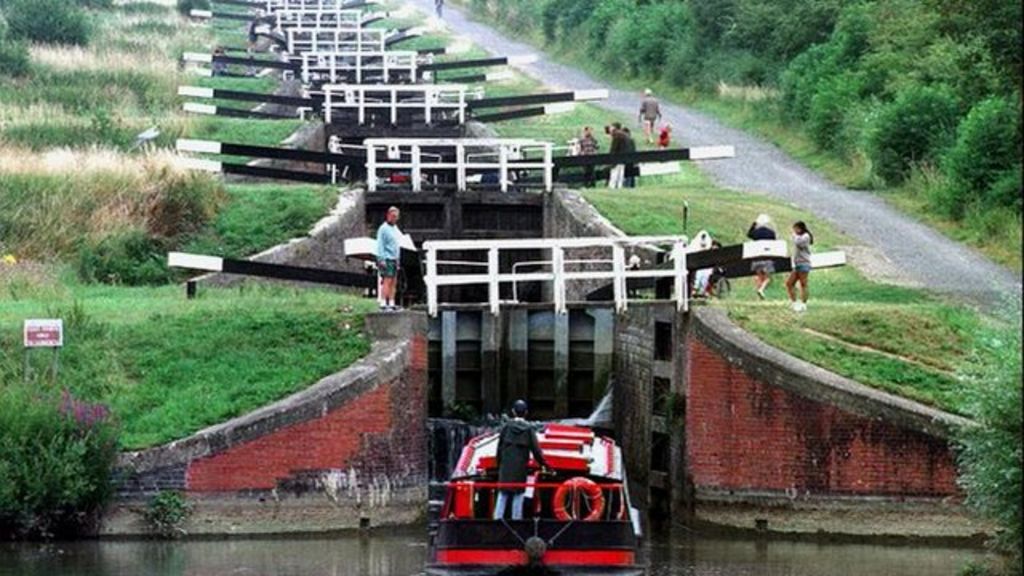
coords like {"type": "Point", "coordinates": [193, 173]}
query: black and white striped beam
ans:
{"type": "Point", "coordinates": [210, 14]}
{"type": "Point", "coordinates": [528, 99]}
{"type": "Point", "coordinates": [211, 110]}
{"type": "Point", "coordinates": [649, 156]}
{"type": "Point", "coordinates": [496, 76]}
{"type": "Point", "coordinates": [479, 63]}
{"type": "Point", "coordinates": [201, 58]}
{"type": "Point", "coordinates": [547, 109]}
{"type": "Point", "coordinates": [265, 270]}
{"type": "Point", "coordinates": [219, 167]}
{"type": "Point", "coordinates": [228, 149]}
{"type": "Point", "coordinates": [242, 96]}
{"type": "Point", "coordinates": [819, 261]}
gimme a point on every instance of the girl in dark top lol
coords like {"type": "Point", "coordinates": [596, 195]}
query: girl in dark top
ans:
{"type": "Point", "coordinates": [761, 229]}
{"type": "Point", "coordinates": [802, 240]}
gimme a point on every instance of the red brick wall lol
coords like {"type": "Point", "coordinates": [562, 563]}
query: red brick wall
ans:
{"type": "Point", "coordinates": [382, 431]}
{"type": "Point", "coordinates": [746, 435]}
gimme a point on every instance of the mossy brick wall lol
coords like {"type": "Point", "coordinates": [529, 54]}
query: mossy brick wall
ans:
{"type": "Point", "coordinates": [745, 434]}
{"type": "Point", "coordinates": [380, 432]}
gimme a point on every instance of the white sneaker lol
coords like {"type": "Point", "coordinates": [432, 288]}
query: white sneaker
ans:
{"type": "Point", "coordinates": [799, 307]}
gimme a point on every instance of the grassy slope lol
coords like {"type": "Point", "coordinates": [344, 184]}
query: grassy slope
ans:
{"type": "Point", "coordinates": [897, 339]}
{"type": "Point", "coordinates": [166, 366]}
{"type": "Point", "coordinates": [998, 236]}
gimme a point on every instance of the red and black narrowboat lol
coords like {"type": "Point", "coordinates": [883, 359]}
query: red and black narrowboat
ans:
{"type": "Point", "coordinates": [577, 516]}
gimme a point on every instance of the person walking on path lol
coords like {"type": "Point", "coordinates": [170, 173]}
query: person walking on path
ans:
{"type": "Point", "coordinates": [389, 252]}
{"type": "Point", "coordinates": [802, 240]}
{"type": "Point", "coordinates": [618, 146]}
{"type": "Point", "coordinates": [588, 147]}
{"type": "Point", "coordinates": [761, 229]}
{"type": "Point", "coordinates": [630, 172]}
{"type": "Point", "coordinates": [650, 113]}
{"type": "Point", "coordinates": [516, 442]}
{"type": "Point", "coordinates": [439, 8]}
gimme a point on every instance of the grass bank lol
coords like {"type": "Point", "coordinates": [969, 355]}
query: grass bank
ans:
{"type": "Point", "coordinates": [897, 339]}
{"type": "Point", "coordinates": [167, 366]}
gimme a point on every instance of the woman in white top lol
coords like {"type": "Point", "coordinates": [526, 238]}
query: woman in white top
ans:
{"type": "Point", "coordinates": [802, 240]}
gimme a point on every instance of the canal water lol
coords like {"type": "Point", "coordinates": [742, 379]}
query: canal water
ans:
{"type": "Point", "coordinates": [403, 553]}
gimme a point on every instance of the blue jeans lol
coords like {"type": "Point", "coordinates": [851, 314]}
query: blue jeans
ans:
{"type": "Point", "coordinates": [517, 504]}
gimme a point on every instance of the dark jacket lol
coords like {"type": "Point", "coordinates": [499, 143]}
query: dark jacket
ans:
{"type": "Point", "coordinates": [515, 444]}
{"type": "Point", "coordinates": [760, 233]}
{"type": "Point", "coordinates": [618, 145]}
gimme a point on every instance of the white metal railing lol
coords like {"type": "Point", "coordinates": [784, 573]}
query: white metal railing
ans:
{"type": "Point", "coordinates": [407, 155]}
{"type": "Point", "coordinates": [320, 18]}
{"type": "Point", "coordinates": [359, 66]}
{"type": "Point", "coordinates": [558, 276]}
{"type": "Point", "coordinates": [434, 102]}
{"type": "Point", "coordinates": [301, 40]}
{"type": "Point", "coordinates": [278, 5]}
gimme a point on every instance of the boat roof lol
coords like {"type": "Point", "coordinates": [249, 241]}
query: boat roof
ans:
{"type": "Point", "coordinates": [566, 449]}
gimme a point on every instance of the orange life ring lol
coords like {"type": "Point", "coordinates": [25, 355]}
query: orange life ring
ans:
{"type": "Point", "coordinates": [572, 487]}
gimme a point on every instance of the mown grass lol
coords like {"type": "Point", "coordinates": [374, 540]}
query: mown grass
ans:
{"type": "Point", "coordinates": [898, 339]}
{"type": "Point", "coordinates": [168, 366]}
{"type": "Point", "coordinates": [258, 216]}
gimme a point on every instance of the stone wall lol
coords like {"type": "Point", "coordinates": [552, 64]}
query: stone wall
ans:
{"type": "Point", "coordinates": [762, 423]}
{"type": "Point", "coordinates": [350, 450]}
{"type": "Point", "coordinates": [631, 405]}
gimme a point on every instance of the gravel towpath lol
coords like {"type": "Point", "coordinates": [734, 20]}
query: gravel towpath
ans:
{"type": "Point", "coordinates": [905, 250]}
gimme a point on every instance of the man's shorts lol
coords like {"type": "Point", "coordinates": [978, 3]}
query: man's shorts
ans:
{"type": "Point", "coordinates": [765, 266]}
{"type": "Point", "coordinates": [387, 268]}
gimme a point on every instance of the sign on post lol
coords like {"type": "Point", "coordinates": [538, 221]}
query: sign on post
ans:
{"type": "Point", "coordinates": [46, 333]}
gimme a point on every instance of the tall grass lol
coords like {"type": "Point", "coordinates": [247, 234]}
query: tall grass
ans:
{"type": "Point", "coordinates": [52, 203]}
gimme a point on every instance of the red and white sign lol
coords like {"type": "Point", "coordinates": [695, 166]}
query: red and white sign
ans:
{"type": "Point", "coordinates": [44, 333]}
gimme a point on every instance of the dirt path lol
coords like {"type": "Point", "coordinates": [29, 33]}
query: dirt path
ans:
{"type": "Point", "coordinates": [919, 254]}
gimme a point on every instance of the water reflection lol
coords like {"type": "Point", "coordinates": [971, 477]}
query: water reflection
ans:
{"type": "Point", "coordinates": [402, 554]}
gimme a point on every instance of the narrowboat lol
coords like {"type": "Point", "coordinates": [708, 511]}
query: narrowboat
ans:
{"type": "Point", "coordinates": [577, 518]}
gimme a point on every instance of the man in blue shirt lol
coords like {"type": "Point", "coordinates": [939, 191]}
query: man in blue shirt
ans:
{"type": "Point", "coordinates": [389, 252]}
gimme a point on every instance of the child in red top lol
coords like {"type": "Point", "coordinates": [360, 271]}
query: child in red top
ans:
{"type": "Point", "coordinates": [665, 136]}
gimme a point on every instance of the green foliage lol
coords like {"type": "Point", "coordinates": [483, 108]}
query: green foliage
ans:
{"type": "Point", "coordinates": [990, 459]}
{"type": "Point", "coordinates": [56, 457]}
{"type": "Point", "coordinates": [48, 21]}
{"type": "Point", "coordinates": [984, 164]}
{"type": "Point", "coordinates": [132, 258]}
{"type": "Point", "coordinates": [166, 513]}
{"type": "Point", "coordinates": [259, 216]}
{"type": "Point", "coordinates": [167, 366]}
{"type": "Point", "coordinates": [187, 6]}
{"type": "Point", "coordinates": [14, 59]}
{"type": "Point", "coordinates": [913, 129]}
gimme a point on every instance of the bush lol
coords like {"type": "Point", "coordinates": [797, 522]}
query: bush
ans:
{"type": "Point", "coordinates": [166, 513]}
{"type": "Point", "coordinates": [187, 6]}
{"type": "Point", "coordinates": [56, 457]}
{"type": "Point", "coordinates": [829, 108]}
{"type": "Point", "coordinates": [988, 144]}
{"type": "Point", "coordinates": [132, 258]}
{"type": "Point", "coordinates": [990, 459]}
{"type": "Point", "coordinates": [913, 129]}
{"type": "Point", "coordinates": [14, 59]}
{"type": "Point", "coordinates": [48, 21]}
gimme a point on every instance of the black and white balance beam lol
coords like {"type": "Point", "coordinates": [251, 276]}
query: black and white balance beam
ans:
{"type": "Point", "coordinates": [264, 270]}
{"type": "Point", "coordinates": [243, 96]}
{"type": "Point", "coordinates": [648, 156]}
{"type": "Point", "coordinates": [479, 63]}
{"type": "Point", "coordinates": [530, 99]}
{"type": "Point", "coordinates": [211, 110]}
